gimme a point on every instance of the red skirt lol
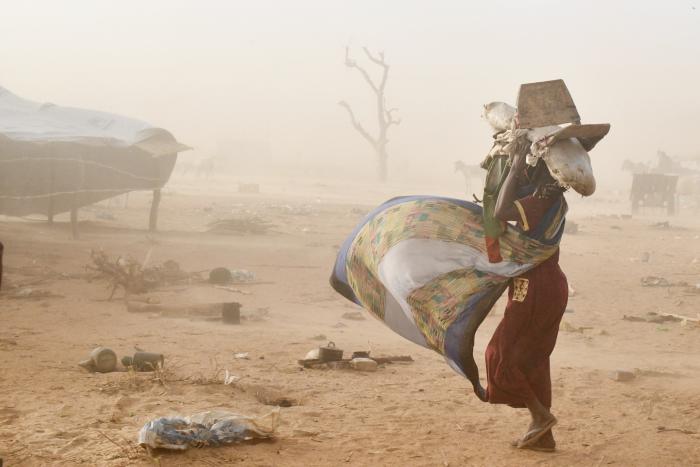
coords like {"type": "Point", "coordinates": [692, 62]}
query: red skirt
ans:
{"type": "Point", "coordinates": [517, 357]}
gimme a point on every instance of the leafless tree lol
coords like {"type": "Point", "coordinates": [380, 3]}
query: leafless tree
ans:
{"type": "Point", "coordinates": [385, 118]}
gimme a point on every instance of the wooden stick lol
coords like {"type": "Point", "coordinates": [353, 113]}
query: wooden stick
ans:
{"type": "Point", "coordinates": [681, 317]}
{"type": "Point", "coordinates": [153, 219]}
{"type": "Point", "coordinates": [74, 217]}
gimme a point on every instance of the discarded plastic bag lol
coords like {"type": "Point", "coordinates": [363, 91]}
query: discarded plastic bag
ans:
{"type": "Point", "coordinates": [212, 428]}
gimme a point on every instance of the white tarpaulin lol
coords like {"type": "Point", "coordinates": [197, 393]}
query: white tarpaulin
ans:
{"type": "Point", "coordinates": [55, 158]}
{"type": "Point", "coordinates": [24, 120]}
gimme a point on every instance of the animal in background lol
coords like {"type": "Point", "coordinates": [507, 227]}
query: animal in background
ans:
{"type": "Point", "coordinates": [473, 176]}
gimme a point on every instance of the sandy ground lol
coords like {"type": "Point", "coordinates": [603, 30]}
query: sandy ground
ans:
{"type": "Point", "coordinates": [53, 412]}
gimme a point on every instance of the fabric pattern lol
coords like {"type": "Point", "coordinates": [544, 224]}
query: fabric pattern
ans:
{"type": "Point", "coordinates": [445, 274]}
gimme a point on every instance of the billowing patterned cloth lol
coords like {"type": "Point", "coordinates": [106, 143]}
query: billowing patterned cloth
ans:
{"type": "Point", "coordinates": [420, 265]}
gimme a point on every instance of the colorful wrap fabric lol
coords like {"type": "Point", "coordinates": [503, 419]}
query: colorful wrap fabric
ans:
{"type": "Point", "coordinates": [420, 265]}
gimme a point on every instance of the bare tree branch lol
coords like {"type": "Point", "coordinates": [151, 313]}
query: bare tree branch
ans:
{"type": "Point", "coordinates": [357, 124]}
{"type": "Point", "coordinates": [379, 61]}
{"type": "Point", "coordinates": [389, 119]}
{"type": "Point", "coordinates": [350, 63]}
{"type": "Point", "coordinates": [385, 117]}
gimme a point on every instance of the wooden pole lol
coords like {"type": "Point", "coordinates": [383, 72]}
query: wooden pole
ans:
{"type": "Point", "coordinates": [153, 219]}
{"type": "Point", "coordinates": [75, 204]}
{"type": "Point", "coordinates": [74, 218]}
{"type": "Point", "coordinates": [49, 215]}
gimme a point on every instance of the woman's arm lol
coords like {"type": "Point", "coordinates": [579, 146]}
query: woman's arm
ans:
{"type": "Point", "coordinates": [505, 207]}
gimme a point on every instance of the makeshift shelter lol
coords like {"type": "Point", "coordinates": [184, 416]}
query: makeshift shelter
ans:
{"type": "Point", "coordinates": [56, 159]}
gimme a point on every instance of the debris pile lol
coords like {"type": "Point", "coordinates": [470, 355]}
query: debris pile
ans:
{"type": "Point", "coordinates": [104, 360]}
{"type": "Point", "coordinates": [660, 318]}
{"type": "Point", "coordinates": [329, 356]}
{"type": "Point", "coordinates": [130, 275]}
{"type": "Point", "coordinates": [211, 428]}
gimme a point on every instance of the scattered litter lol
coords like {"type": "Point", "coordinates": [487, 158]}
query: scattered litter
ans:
{"type": "Point", "coordinates": [339, 325]}
{"type": "Point", "coordinates": [320, 337]}
{"type": "Point", "coordinates": [312, 361]}
{"type": "Point", "coordinates": [568, 327]}
{"type": "Point", "coordinates": [250, 224]}
{"type": "Point", "coordinates": [329, 353]}
{"type": "Point", "coordinates": [211, 428]}
{"type": "Point", "coordinates": [242, 275]}
{"type": "Point", "coordinates": [655, 281]}
{"type": "Point", "coordinates": [231, 313]}
{"type": "Point", "coordinates": [353, 315]}
{"type": "Point", "coordinates": [363, 364]}
{"type": "Point", "coordinates": [645, 257]}
{"type": "Point", "coordinates": [220, 275]}
{"type": "Point", "coordinates": [144, 361]}
{"type": "Point", "coordinates": [569, 310]}
{"type": "Point", "coordinates": [230, 378]}
{"type": "Point", "coordinates": [297, 210]}
{"type": "Point", "coordinates": [242, 356]}
{"type": "Point", "coordinates": [684, 320]}
{"type": "Point", "coordinates": [615, 227]}
{"type": "Point", "coordinates": [572, 291]}
{"type": "Point", "coordinates": [652, 317]}
{"type": "Point", "coordinates": [223, 275]}
{"type": "Point", "coordinates": [661, 225]}
{"type": "Point", "coordinates": [102, 360]}
{"type": "Point", "coordinates": [621, 375]}
{"type": "Point", "coordinates": [135, 277]}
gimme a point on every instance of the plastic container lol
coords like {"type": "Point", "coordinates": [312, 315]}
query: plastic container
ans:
{"type": "Point", "coordinates": [231, 313]}
{"type": "Point", "coordinates": [144, 361]}
{"type": "Point", "coordinates": [102, 360]}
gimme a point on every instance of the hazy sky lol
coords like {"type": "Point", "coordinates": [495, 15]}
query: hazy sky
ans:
{"type": "Point", "coordinates": [209, 70]}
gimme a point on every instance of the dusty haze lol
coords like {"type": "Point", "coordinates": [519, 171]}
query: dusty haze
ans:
{"type": "Point", "coordinates": [258, 83]}
{"type": "Point", "coordinates": [273, 71]}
